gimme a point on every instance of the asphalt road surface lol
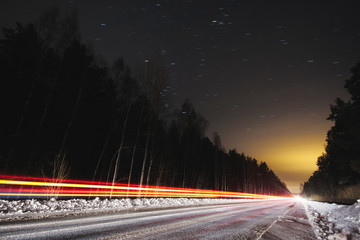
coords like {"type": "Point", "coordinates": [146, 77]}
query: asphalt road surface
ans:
{"type": "Point", "coordinates": [268, 219]}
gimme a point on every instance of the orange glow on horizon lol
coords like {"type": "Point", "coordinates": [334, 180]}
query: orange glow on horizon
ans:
{"type": "Point", "coordinates": [290, 146]}
{"type": "Point", "coordinates": [293, 160]}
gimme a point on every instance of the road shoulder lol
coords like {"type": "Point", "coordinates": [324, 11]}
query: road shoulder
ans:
{"type": "Point", "coordinates": [292, 225]}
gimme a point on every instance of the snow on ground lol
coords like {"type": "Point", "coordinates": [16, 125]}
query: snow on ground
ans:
{"type": "Point", "coordinates": [329, 221]}
{"type": "Point", "coordinates": [334, 221]}
{"type": "Point", "coordinates": [32, 208]}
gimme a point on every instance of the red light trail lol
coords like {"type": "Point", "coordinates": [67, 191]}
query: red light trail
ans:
{"type": "Point", "coordinates": [34, 187]}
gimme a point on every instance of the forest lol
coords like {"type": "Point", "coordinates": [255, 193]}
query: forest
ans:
{"type": "Point", "coordinates": [338, 176]}
{"type": "Point", "coordinates": [67, 114]}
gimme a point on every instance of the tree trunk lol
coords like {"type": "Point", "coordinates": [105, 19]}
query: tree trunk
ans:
{"type": "Point", "coordinates": [116, 167]}
{"type": "Point", "coordinates": [135, 145]}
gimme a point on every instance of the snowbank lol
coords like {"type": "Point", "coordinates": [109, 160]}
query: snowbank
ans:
{"type": "Point", "coordinates": [329, 221]}
{"type": "Point", "coordinates": [31, 208]}
{"type": "Point", "coordinates": [333, 221]}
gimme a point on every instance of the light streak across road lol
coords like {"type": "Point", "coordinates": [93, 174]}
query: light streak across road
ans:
{"type": "Point", "coordinates": [34, 187]}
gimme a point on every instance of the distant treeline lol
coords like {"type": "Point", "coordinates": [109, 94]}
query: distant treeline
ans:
{"type": "Point", "coordinates": [338, 176]}
{"type": "Point", "coordinates": [64, 114]}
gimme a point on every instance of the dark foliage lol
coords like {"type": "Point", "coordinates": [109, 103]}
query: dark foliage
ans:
{"type": "Point", "coordinates": [66, 116]}
{"type": "Point", "coordinates": [339, 167]}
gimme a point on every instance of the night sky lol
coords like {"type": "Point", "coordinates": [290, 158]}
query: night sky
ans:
{"type": "Point", "coordinates": [263, 73]}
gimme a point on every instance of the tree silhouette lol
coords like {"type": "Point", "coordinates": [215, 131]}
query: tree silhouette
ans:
{"type": "Point", "coordinates": [67, 115]}
{"type": "Point", "coordinates": [340, 165]}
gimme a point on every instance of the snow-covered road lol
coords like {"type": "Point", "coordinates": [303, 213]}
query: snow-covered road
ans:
{"type": "Point", "coordinates": [268, 219]}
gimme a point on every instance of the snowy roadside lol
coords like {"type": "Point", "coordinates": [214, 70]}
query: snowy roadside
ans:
{"type": "Point", "coordinates": [329, 221]}
{"type": "Point", "coordinates": [334, 221]}
{"type": "Point", "coordinates": [36, 209]}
